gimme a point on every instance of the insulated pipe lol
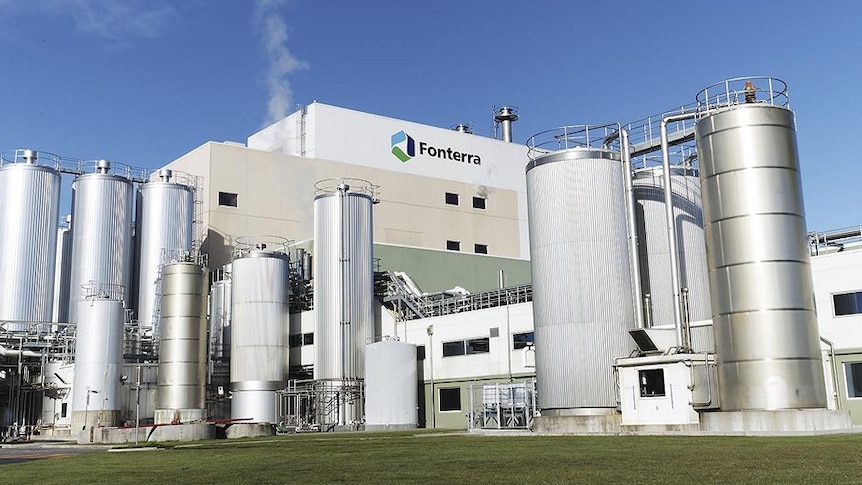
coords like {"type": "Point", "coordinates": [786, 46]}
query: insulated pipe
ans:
{"type": "Point", "coordinates": [23, 353]}
{"type": "Point", "coordinates": [671, 225]}
{"type": "Point", "coordinates": [631, 222]}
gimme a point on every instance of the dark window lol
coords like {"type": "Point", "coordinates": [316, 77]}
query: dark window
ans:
{"type": "Point", "coordinates": [64, 408]}
{"type": "Point", "coordinates": [227, 199]}
{"type": "Point", "coordinates": [453, 245]}
{"type": "Point", "coordinates": [651, 382]}
{"type": "Point", "coordinates": [478, 202]}
{"type": "Point", "coordinates": [420, 352]}
{"type": "Point", "coordinates": [453, 348]}
{"type": "Point", "coordinates": [853, 373]}
{"type": "Point", "coordinates": [307, 338]}
{"type": "Point", "coordinates": [478, 346]}
{"type": "Point", "coordinates": [847, 303]}
{"type": "Point", "coordinates": [520, 340]}
{"type": "Point", "coordinates": [451, 199]}
{"type": "Point", "coordinates": [294, 341]}
{"type": "Point", "coordinates": [450, 399]}
{"type": "Point", "coordinates": [480, 248]}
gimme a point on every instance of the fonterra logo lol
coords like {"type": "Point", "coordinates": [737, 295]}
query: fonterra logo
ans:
{"type": "Point", "coordinates": [404, 149]}
{"type": "Point", "coordinates": [403, 146]}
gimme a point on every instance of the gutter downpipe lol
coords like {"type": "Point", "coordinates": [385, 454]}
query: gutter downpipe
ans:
{"type": "Point", "coordinates": [671, 225]}
{"type": "Point", "coordinates": [834, 369]}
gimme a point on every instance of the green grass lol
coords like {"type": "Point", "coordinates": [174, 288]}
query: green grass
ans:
{"type": "Point", "coordinates": [410, 458]}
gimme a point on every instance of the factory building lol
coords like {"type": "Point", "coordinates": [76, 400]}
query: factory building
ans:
{"type": "Point", "coordinates": [369, 272]}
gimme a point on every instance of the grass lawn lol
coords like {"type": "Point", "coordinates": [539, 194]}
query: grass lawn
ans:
{"type": "Point", "coordinates": [435, 458]}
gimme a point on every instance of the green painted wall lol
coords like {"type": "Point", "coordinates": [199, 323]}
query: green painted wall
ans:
{"type": "Point", "coordinates": [853, 405]}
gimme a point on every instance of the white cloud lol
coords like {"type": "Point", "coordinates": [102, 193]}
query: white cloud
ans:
{"type": "Point", "coordinates": [273, 32]}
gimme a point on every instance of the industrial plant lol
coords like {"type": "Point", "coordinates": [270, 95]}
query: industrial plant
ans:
{"type": "Point", "coordinates": [344, 271]}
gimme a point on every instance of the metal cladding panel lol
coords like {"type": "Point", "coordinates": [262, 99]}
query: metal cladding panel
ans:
{"type": "Point", "coordinates": [62, 270]}
{"type": "Point", "coordinates": [582, 287]}
{"type": "Point", "coordinates": [653, 244]}
{"type": "Point", "coordinates": [101, 233]}
{"type": "Point", "coordinates": [166, 213]}
{"type": "Point", "coordinates": [29, 206]}
{"type": "Point", "coordinates": [183, 337]}
{"type": "Point", "coordinates": [259, 312]}
{"type": "Point", "coordinates": [761, 288]}
{"type": "Point", "coordinates": [343, 285]}
{"type": "Point", "coordinates": [390, 384]}
{"type": "Point", "coordinates": [220, 302]}
{"type": "Point", "coordinates": [98, 354]}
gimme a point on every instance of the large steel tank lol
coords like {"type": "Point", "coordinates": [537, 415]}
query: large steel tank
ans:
{"type": "Point", "coordinates": [101, 231]}
{"type": "Point", "coordinates": [260, 275]}
{"type": "Point", "coordinates": [98, 356]}
{"type": "Point", "coordinates": [343, 278]}
{"type": "Point", "coordinates": [582, 281]}
{"type": "Point", "coordinates": [390, 386]}
{"type": "Point", "coordinates": [62, 272]}
{"type": "Point", "coordinates": [655, 271]}
{"type": "Point", "coordinates": [220, 317]}
{"type": "Point", "coordinates": [183, 343]}
{"type": "Point", "coordinates": [165, 215]}
{"type": "Point", "coordinates": [29, 206]}
{"type": "Point", "coordinates": [761, 289]}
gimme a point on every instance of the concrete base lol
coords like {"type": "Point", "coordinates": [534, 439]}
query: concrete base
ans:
{"type": "Point", "coordinates": [90, 418]}
{"type": "Point", "coordinates": [178, 432]}
{"type": "Point", "coordinates": [660, 429]}
{"type": "Point", "coordinates": [791, 421]}
{"type": "Point", "coordinates": [578, 425]}
{"type": "Point", "coordinates": [249, 430]}
{"type": "Point", "coordinates": [389, 427]}
{"type": "Point", "coordinates": [177, 416]}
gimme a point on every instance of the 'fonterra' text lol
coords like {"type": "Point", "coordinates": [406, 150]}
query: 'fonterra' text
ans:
{"type": "Point", "coordinates": [449, 154]}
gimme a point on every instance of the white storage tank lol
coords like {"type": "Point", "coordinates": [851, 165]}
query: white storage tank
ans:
{"type": "Point", "coordinates": [98, 356]}
{"type": "Point", "coordinates": [219, 321]}
{"type": "Point", "coordinates": [102, 205]}
{"type": "Point", "coordinates": [582, 280]}
{"type": "Point", "coordinates": [29, 206]}
{"type": "Point", "coordinates": [391, 386]}
{"type": "Point", "coordinates": [260, 274]}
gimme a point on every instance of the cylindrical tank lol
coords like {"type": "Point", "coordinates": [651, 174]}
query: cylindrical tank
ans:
{"type": "Point", "coordinates": [165, 214]}
{"type": "Point", "coordinates": [761, 289]}
{"type": "Point", "coordinates": [220, 317]}
{"type": "Point", "coordinates": [98, 356]}
{"type": "Point", "coordinates": [653, 244]}
{"type": "Point", "coordinates": [62, 272]}
{"type": "Point", "coordinates": [29, 206]}
{"type": "Point", "coordinates": [57, 378]}
{"type": "Point", "coordinates": [259, 314]}
{"type": "Point", "coordinates": [183, 343]}
{"type": "Point", "coordinates": [582, 283]}
{"type": "Point", "coordinates": [101, 232]}
{"type": "Point", "coordinates": [343, 279]}
{"type": "Point", "coordinates": [391, 400]}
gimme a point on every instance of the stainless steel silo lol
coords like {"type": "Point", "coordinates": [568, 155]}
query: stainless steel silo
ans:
{"type": "Point", "coordinates": [762, 296]}
{"type": "Point", "coordinates": [655, 272]}
{"type": "Point", "coordinates": [102, 207]}
{"type": "Point", "coordinates": [581, 272]}
{"type": "Point", "coordinates": [98, 356]}
{"type": "Point", "coordinates": [165, 214]}
{"type": "Point", "coordinates": [220, 317]}
{"type": "Point", "coordinates": [260, 275]}
{"type": "Point", "coordinates": [183, 343]}
{"type": "Point", "coordinates": [62, 272]}
{"type": "Point", "coordinates": [343, 279]}
{"type": "Point", "coordinates": [29, 206]}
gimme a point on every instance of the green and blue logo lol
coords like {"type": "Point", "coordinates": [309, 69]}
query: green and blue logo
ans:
{"type": "Point", "coordinates": [403, 146]}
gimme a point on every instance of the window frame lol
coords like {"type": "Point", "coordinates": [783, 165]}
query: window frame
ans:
{"type": "Point", "coordinates": [452, 394]}
{"type": "Point", "coordinates": [484, 201]}
{"type": "Point", "coordinates": [847, 381]}
{"type": "Point", "coordinates": [225, 199]}
{"type": "Point", "coordinates": [518, 344]}
{"type": "Point", "coordinates": [476, 247]}
{"type": "Point", "coordinates": [456, 196]}
{"type": "Point", "coordinates": [450, 242]}
{"type": "Point", "coordinates": [858, 303]}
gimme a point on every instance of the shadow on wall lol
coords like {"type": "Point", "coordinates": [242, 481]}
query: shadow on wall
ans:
{"type": "Point", "coordinates": [217, 248]}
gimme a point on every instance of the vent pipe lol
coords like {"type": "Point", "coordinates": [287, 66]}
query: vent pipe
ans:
{"type": "Point", "coordinates": [462, 128]}
{"type": "Point", "coordinates": [505, 116]}
{"type": "Point", "coordinates": [166, 174]}
{"type": "Point", "coordinates": [103, 166]}
{"type": "Point", "coordinates": [30, 156]}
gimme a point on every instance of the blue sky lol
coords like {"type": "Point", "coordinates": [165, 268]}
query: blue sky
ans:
{"type": "Point", "coordinates": [145, 81]}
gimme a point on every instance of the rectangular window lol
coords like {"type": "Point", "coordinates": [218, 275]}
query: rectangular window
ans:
{"type": "Point", "coordinates": [64, 408]}
{"type": "Point", "coordinates": [480, 248]}
{"type": "Point", "coordinates": [308, 338]}
{"type": "Point", "coordinates": [521, 340]}
{"type": "Point", "coordinates": [450, 399]}
{"type": "Point", "coordinates": [651, 382]}
{"type": "Point", "coordinates": [420, 352]}
{"type": "Point", "coordinates": [451, 199]}
{"type": "Point", "coordinates": [453, 348]}
{"type": "Point", "coordinates": [453, 245]}
{"type": "Point", "coordinates": [478, 346]}
{"type": "Point", "coordinates": [227, 199]}
{"type": "Point", "coordinates": [847, 303]}
{"type": "Point", "coordinates": [853, 373]}
{"type": "Point", "coordinates": [478, 202]}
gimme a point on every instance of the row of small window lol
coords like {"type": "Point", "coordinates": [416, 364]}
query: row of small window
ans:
{"type": "Point", "coordinates": [477, 248]}
{"type": "Point", "coordinates": [480, 345]}
{"type": "Point", "coordinates": [455, 199]}
{"type": "Point", "coordinates": [300, 339]}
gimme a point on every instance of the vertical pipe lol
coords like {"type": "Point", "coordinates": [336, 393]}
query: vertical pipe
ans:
{"type": "Point", "coordinates": [632, 228]}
